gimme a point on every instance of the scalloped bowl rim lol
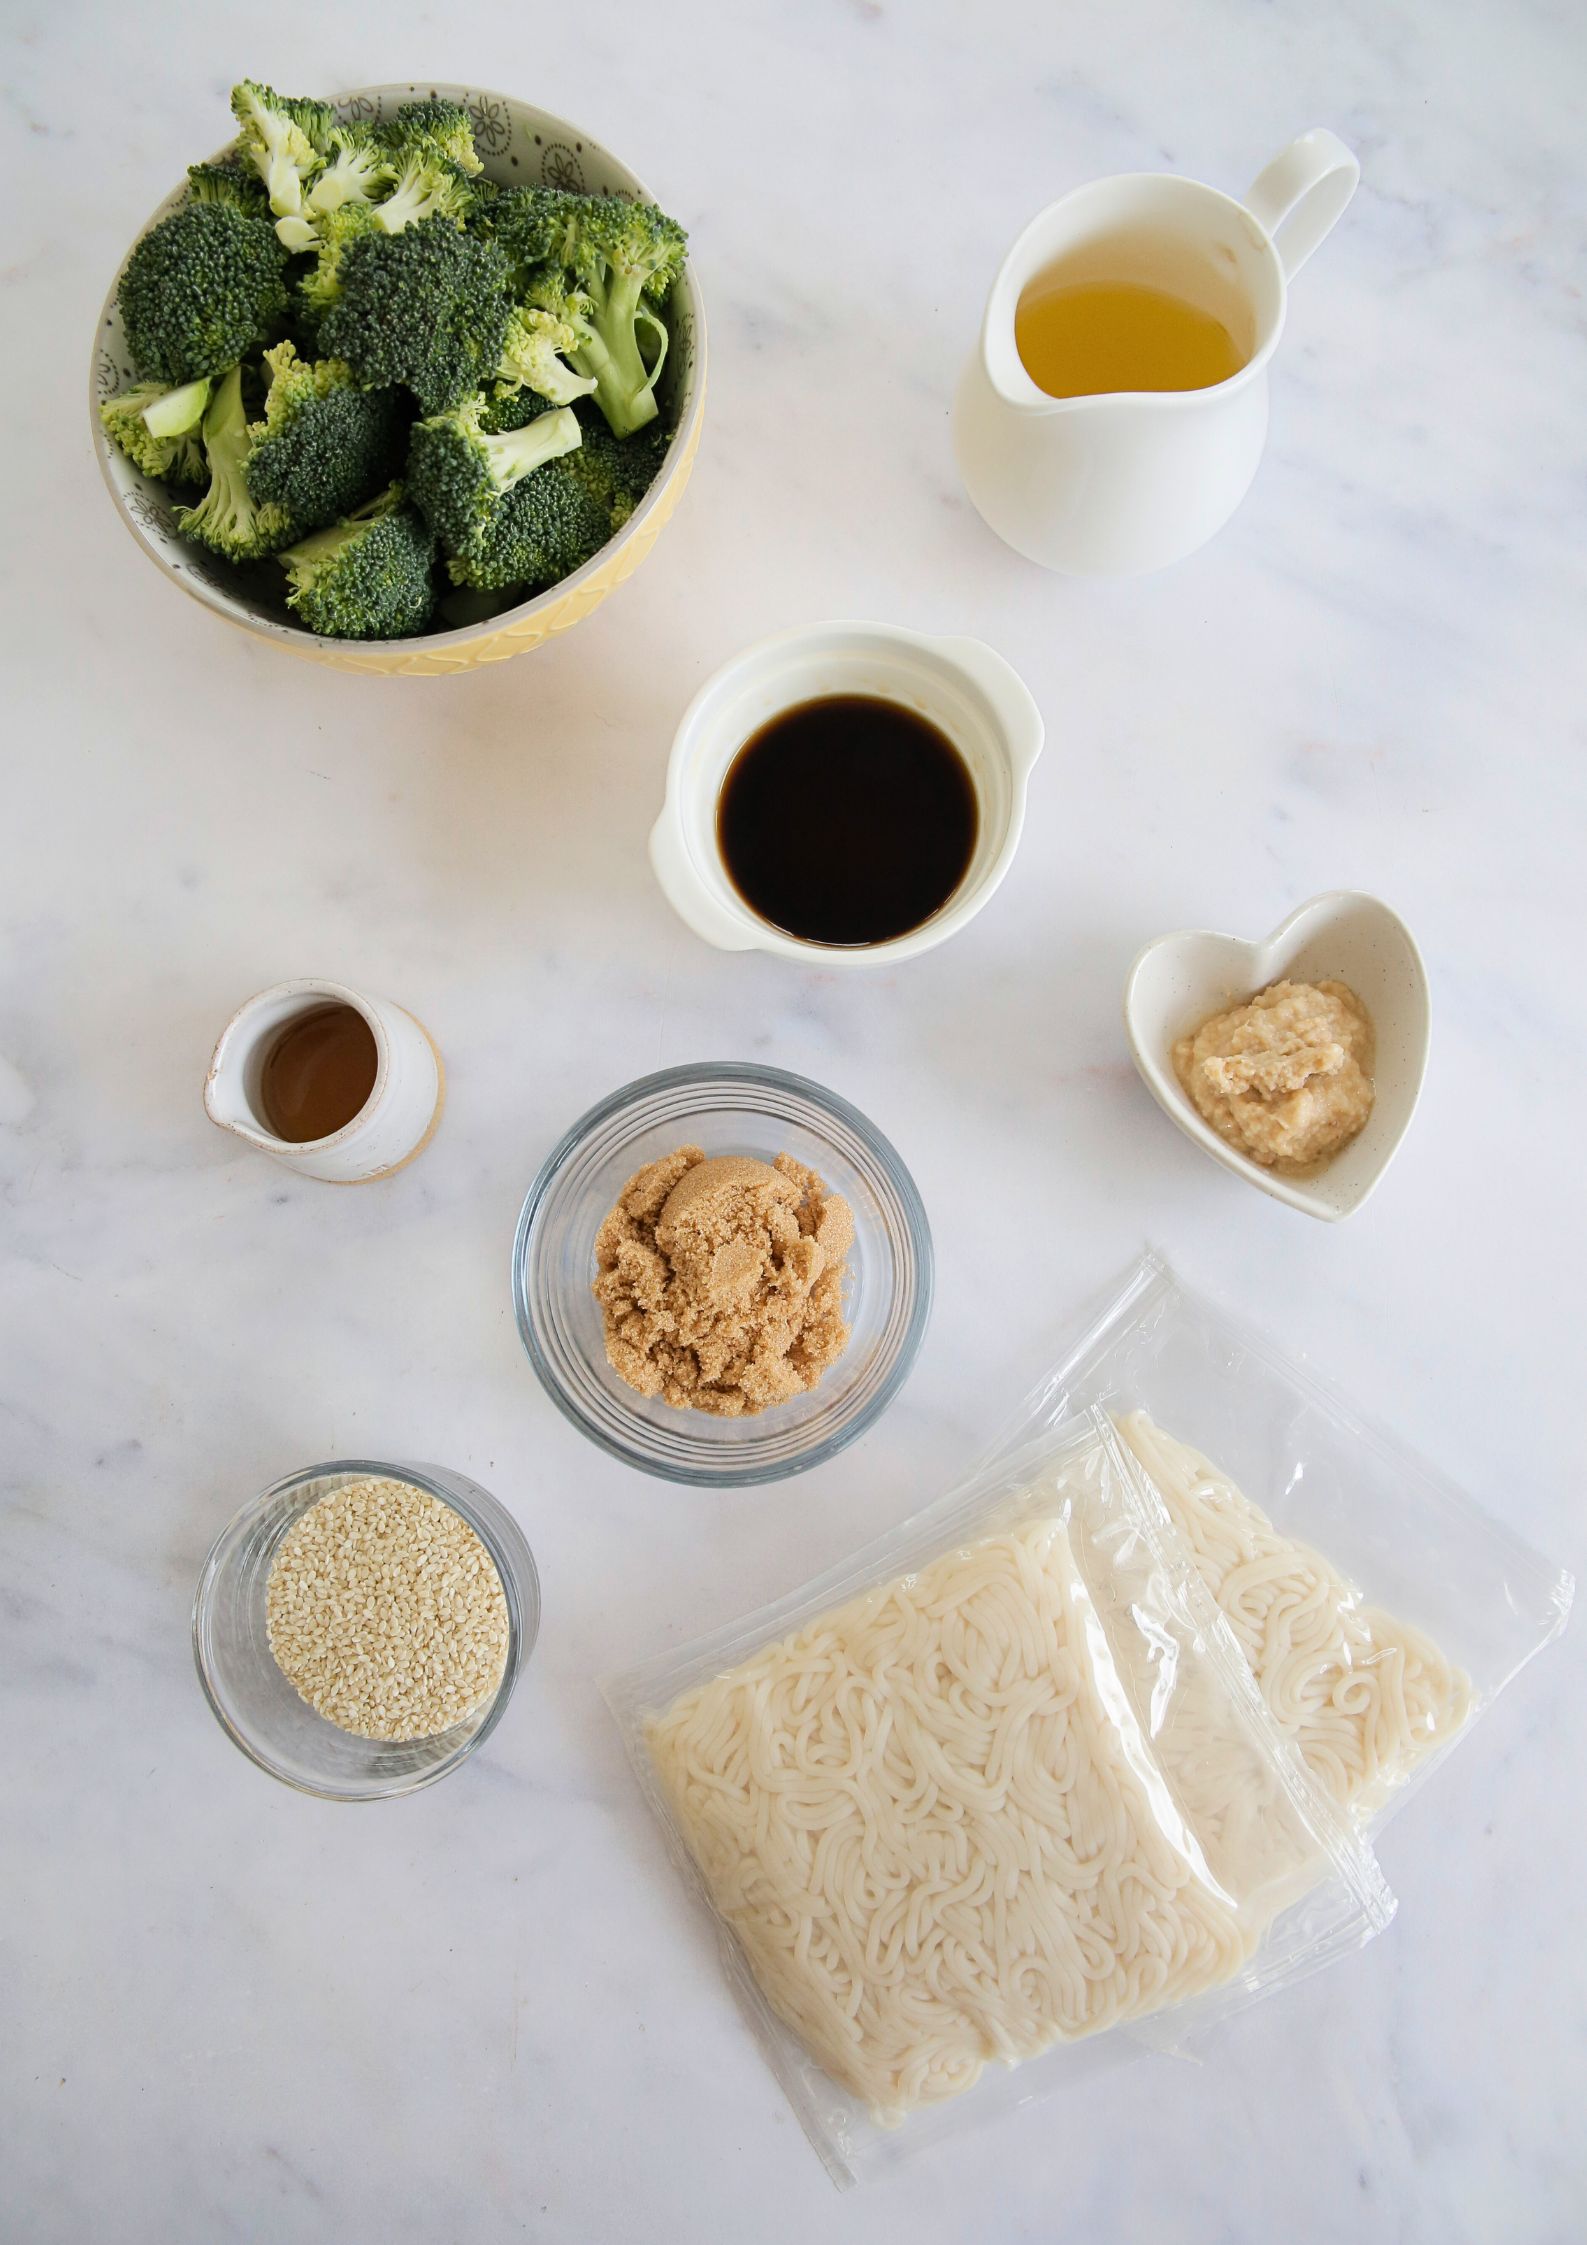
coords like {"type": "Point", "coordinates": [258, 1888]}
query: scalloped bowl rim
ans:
{"type": "Point", "coordinates": [113, 464]}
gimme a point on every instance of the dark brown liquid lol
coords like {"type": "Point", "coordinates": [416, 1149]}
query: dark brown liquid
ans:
{"type": "Point", "coordinates": [848, 820]}
{"type": "Point", "coordinates": [318, 1073]}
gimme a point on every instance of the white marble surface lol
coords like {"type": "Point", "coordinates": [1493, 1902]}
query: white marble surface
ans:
{"type": "Point", "coordinates": [486, 2013]}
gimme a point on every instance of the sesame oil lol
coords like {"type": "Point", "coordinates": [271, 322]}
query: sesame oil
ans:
{"type": "Point", "coordinates": [1081, 339]}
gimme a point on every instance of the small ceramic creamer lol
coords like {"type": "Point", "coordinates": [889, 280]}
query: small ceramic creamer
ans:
{"type": "Point", "coordinates": [1128, 481]}
{"type": "Point", "coordinates": [395, 1122]}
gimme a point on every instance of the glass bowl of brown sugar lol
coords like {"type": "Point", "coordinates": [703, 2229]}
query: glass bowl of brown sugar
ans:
{"type": "Point", "coordinates": [731, 1438]}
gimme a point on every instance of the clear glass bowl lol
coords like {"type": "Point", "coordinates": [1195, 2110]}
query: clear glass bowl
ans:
{"type": "Point", "coordinates": [256, 1706]}
{"type": "Point", "coordinates": [728, 1108]}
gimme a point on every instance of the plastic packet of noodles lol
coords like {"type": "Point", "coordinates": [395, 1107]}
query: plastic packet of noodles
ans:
{"type": "Point", "coordinates": [972, 1808]}
{"type": "Point", "coordinates": [1379, 1609]}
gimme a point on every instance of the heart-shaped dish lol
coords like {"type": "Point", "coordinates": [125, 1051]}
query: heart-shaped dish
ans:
{"type": "Point", "coordinates": [1180, 979]}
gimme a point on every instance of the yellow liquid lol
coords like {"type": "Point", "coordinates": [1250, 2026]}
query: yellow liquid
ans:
{"type": "Point", "coordinates": [1082, 339]}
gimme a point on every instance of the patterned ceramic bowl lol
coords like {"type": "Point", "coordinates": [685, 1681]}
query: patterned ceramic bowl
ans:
{"type": "Point", "coordinates": [517, 144]}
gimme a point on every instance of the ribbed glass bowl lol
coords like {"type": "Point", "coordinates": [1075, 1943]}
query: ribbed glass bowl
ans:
{"type": "Point", "coordinates": [253, 1702]}
{"type": "Point", "coordinates": [726, 1108]}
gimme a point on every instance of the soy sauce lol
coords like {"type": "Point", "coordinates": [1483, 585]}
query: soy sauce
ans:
{"type": "Point", "coordinates": [848, 820]}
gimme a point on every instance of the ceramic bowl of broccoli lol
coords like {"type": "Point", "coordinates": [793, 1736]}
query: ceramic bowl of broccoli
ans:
{"type": "Point", "coordinates": [405, 381]}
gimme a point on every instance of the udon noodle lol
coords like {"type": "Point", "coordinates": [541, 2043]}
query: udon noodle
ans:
{"type": "Point", "coordinates": [1364, 1695]}
{"type": "Point", "coordinates": [936, 1826]}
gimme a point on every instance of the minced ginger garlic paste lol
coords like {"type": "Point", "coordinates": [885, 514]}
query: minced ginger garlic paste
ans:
{"type": "Point", "coordinates": [1286, 1078]}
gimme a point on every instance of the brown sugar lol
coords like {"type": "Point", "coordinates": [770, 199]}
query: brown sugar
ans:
{"type": "Point", "coordinates": [721, 1281]}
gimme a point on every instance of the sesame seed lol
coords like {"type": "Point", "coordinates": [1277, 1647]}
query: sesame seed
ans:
{"type": "Point", "coordinates": [386, 1613]}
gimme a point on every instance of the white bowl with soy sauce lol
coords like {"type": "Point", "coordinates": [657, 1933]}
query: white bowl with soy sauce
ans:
{"type": "Point", "coordinates": [848, 793]}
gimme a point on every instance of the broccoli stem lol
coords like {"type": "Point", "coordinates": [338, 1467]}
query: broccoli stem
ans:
{"type": "Point", "coordinates": [624, 386]}
{"type": "Point", "coordinates": [226, 519]}
{"type": "Point", "coordinates": [407, 202]}
{"type": "Point", "coordinates": [515, 453]}
{"type": "Point", "coordinates": [179, 410]}
{"type": "Point", "coordinates": [531, 358]}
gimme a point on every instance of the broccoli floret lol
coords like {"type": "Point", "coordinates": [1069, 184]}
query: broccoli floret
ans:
{"type": "Point", "coordinates": [369, 577]}
{"type": "Point", "coordinates": [319, 289]}
{"type": "Point", "coordinates": [459, 475]}
{"type": "Point", "coordinates": [623, 255]}
{"type": "Point", "coordinates": [426, 186]}
{"type": "Point", "coordinates": [324, 444]}
{"type": "Point", "coordinates": [427, 307]}
{"type": "Point", "coordinates": [534, 226]}
{"type": "Point", "coordinates": [201, 289]}
{"type": "Point", "coordinates": [603, 266]}
{"type": "Point", "coordinates": [547, 526]}
{"type": "Point", "coordinates": [228, 183]}
{"type": "Point", "coordinates": [189, 461]}
{"type": "Point", "coordinates": [507, 407]}
{"type": "Point", "coordinates": [286, 141]}
{"type": "Point", "coordinates": [357, 172]}
{"type": "Point", "coordinates": [625, 392]}
{"type": "Point", "coordinates": [531, 357]}
{"type": "Point", "coordinates": [618, 471]}
{"type": "Point", "coordinates": [158, 429]}
{"type": "Point", "coordinates": [438, 127]}
{"type": "Point", "coordinates": [551, 523]}
{"type": "Point", "coordinates": [227, 519]}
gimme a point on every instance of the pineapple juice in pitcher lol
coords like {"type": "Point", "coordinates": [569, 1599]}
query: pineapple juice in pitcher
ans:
{"type": "Point", "coordinates": [1113, 413]}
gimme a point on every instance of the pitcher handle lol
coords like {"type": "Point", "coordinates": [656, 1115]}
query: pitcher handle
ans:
{"type": "Point", "coordinates": [1302, 194]}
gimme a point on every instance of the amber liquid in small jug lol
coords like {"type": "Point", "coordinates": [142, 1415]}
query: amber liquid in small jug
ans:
{"type": "Point", "coordinates": [318, 1074]}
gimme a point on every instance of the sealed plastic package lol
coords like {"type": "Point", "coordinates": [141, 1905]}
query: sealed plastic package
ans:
{"type": "Point", "coordinates": [999, 1785]}
{"type": "Point", "coordinates": [1379, 1609]}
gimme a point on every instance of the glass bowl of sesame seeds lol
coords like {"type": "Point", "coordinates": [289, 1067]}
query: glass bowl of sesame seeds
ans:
{"type": "Point", "coordinates": [359, 1626]}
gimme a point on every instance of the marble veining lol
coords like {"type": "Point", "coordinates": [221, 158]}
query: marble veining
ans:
{"type": "Point", "coordinates": [488, 2013]}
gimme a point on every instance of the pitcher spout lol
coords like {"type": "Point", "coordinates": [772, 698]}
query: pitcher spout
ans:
{"type": "Point", "coordinates": [225, 1102]}
{"type": "Point", "coordinates": [1006, 374]}
{"type": "Point", "coordinates": [1007, 377]}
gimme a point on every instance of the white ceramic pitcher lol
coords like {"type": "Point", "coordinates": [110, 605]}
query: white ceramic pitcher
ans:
{"type": "Point", "coordinates": [1120, 484]}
